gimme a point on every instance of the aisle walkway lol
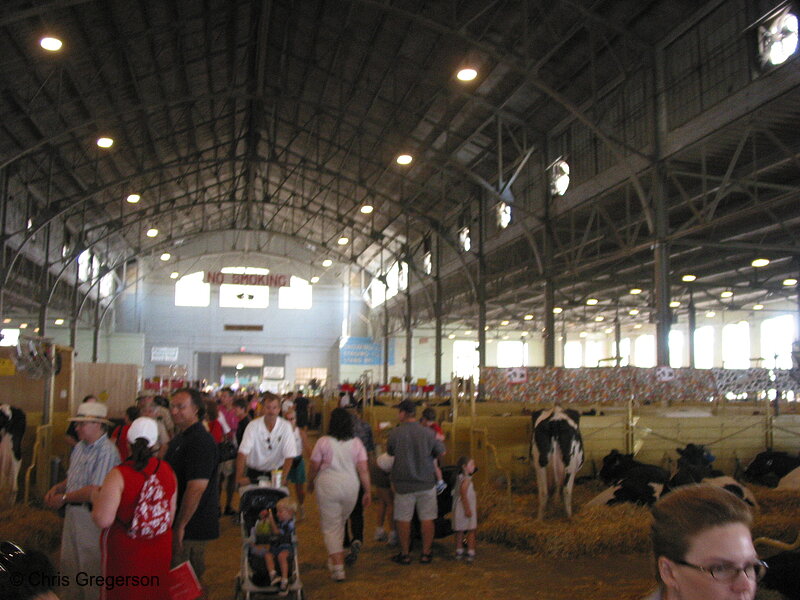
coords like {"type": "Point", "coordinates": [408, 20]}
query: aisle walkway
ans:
{"type": "Point", "coordinates": [498, 573]}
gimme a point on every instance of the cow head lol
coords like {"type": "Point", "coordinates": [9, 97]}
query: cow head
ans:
{"type": "Point", "coordinates": [769, 466]}
{"type": "Point", "coordinates": [615, 465]}
{"type": "Point", "coordinates": [694, 454]}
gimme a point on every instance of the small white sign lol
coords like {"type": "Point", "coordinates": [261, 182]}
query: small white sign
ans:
{"type": "Point", "coordinates": [164, 354]}
{"type": "Point", "coordinates": [273, 372]}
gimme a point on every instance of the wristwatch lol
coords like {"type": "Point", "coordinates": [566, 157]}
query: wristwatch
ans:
{"type": "Point", "coordinates": [64, 498]}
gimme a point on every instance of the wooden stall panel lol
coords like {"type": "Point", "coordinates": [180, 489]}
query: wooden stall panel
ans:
{"type": "Point", "coordinates": [114, 384]}
{"type": "Point", "coordinates": [732, 440]}
{"type": "Point", "coordinates": [600, 436]}
{"type": "Point", "coordinates": [786, 433]}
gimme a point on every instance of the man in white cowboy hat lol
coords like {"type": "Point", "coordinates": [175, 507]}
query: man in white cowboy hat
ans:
{"type": "Point", "coordinates": [91, 460]}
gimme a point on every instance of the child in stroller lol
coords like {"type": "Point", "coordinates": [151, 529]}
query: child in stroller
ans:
{"type": "Point", "coordinates": [267, 540]}
{"type": "Point", "coordinates": [278, 534]}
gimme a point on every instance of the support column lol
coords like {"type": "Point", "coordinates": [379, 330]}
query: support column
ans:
{"type": "Point", "coordinates": [549, 324]}
{"type": "Point", "coordinates": [385, 344]}
{"type": "Point", "coordinates": [437, 309]}
{"type": "Point", "coordinates": [481, 294]}
{"type": "Point", "coordinates": [409, 338]}
{"type": "Point", "coordinates": [96, 329]}
{"type": "Point", "coordinates": [73, 324]}
{"type": "Point", "coordinates": [692, 327]}
{"type": "Point", "coordinates": [617, 340]}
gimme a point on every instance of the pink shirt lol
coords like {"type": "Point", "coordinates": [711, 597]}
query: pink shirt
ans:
{"type": "Point", "coordinates": [323, 451]}
{"type": "Point", "coordinates": [230, 418]}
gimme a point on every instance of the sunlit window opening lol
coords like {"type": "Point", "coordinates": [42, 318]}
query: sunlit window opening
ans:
{"type": "Point", "coordinates": [84, 265]}
{"type": "Point", "coordinates": [191, 291]}
{"type": "Point", "coordinates": [736, 345]}
{"type": "Point", "coordinates": [624, 351]}
{"type": "Point", "coordinates": [464, 240]}
{"type": "Point", "coordinates": [777, 41]}
{"type": "Point", "coordinates": [297, 296]}
{"type": "Point", "coordinates": [10, 337]}
{"type": "Point", "coordinates": [777, 335]}
{"type": "Point", "coordinates": [375, 294]}
{"type": "Point", "coordinates": [244, 296]}
{"type": "Point", "coordinates": [396, 280]}
{"type": "Point", "coordinates": [427, 263]}
{"type": "Point", "coordinates": [466, 359]}
{"type": "Point", "coordinates": [675, 348]}
{"type": "Point", "coordinates": [594, 352]}
{"type": "Point", "coordinates": [503, 215]}
{"type": "Point", "coordinates": [512, 354]}
{"type": "Point", "coordinates": [644, 351]}
{"type": "Point", "coordinates": [106, 285]}
{"type": "Point", "coordinates": [559, 177]}
{"type": "Point", "coordinates": [704, 347]}
{"type": "Point", "coordinates": [573, 354]}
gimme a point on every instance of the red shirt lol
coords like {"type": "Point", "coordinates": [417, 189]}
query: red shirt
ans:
{"type": "Point", "coordinates": [215, 429]}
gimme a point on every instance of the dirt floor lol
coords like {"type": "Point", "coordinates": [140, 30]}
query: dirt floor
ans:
{"type": "Point", "coordinates": [498, 572]}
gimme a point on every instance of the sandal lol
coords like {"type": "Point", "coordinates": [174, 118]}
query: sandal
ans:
{"type": "Point", "coordinates": [402, 559]}
{"type": "Point", "coordinates": [425, 558]}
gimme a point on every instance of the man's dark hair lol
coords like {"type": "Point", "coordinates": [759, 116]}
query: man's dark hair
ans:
{"type": "Point", "coordinates": [197, 400]}
{"type": "Point", "coordinates": [240, 403]}
{"type": "Point", "coordinates": [341, 425]}
{"type": "Point", "coordinates": [132, 412]}
{"type": "Point", "coordinates": [429, 414]}
{"type": "Point", "coordinates": [227, 390]}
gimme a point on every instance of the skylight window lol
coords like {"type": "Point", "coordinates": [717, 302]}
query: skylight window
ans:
{"type": "Point", "coordinates": [296, 296]}
{"type": "Point", "coordinates": [464, 240]}
{"type": "Point", "coordinates": [777, 40]}
{"type": "Point", "coordinates": [191, 291]}
{"type": "Point", "coordinates": [427, 263]}
{"type": "Point", "coordinates": [503, 215]}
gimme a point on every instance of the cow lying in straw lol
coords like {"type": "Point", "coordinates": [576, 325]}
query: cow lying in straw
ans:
{"type": "Point", "coordinates": [556, 453]}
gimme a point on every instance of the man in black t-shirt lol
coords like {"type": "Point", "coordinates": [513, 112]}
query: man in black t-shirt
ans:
{"type": "Point", "coordinates": [301, 410]}
{"type": "Point", "coordinates": [192, 454]}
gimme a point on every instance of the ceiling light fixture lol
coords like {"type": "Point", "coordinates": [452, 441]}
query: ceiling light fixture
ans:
{"type": "Point", "coordinates": [6, 320]}
{"type": "Point", "coordinates": [583, 334]}
{"type": "Point", "coordinates": [528, 317]}
{"type": "Point", "coordinates": [557, 310]}
{"type": "Point", "coordinates": [635, 291]}
{"type": "Point", "coordinates": [404, 159]}
{"type": "Point", "coordinates": [166, 256]}
{"type": "Point", "coordinates": [58, 322]}
{"type": "Point", "coordinates": [23, 325]}
{"type": "Point", "coordinates": [174, 275]}
{"type": "Point", "coordinates": [314, 279]}
{"type": "Point", "coordinates": [105, 142]}
{"type": "Point", "coordinates": [452, 336]}
{"type": "Point", "coordinates": [466, 74]}
{"type": "Point", "coordinates": [503, 322]}
{"type": "Point", "coordinates": [637, 326]}
{"type": "Point", "coordinates": [710, 314]}
{"type": "Point", "coordinates": [760, 262]}
{"type": "Point", "coordinates": [133, 198]}
{"type": "Point", "coordinates": [726, 294]}
{"type": "Point", "coordinates": [468, 332]}
{"type": "Point", "coordinates": [152, 232]}
{"type": "Point", "coordinates": [592, 301]}
{"type": "Point", "coordinates": [790, 282]}
{"type": "Point", "coordinates": [327, 263]}
{"type": "Point", "coordinates": [758, 307]}
{"type": "Point", "coordinates": [367, 209]}
{"type": "Point", "coordinates": [599, 318]}
{"type": "Point", "coordinates": [633, 312]}
{"type": "Point", "coordinates": [343, 241]}
{"type": "Point", "coordinates": [51, 44]}
{"type": "Point", "coordinates": [674, 304]}
{"type": "Point", "coordinates": [688, 278]}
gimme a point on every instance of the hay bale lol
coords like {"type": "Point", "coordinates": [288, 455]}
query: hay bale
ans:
{"type": "Point", "coordinates": [32, 528]}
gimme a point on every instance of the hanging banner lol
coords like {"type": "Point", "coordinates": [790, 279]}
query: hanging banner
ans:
{"type": "Point", "coordinates": [364, 351]}
{"type": "Point", "coordinates": [271, 279]}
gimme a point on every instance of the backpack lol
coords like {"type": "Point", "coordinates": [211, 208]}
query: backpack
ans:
{"type": "Point", "coordinates": [151, 516]}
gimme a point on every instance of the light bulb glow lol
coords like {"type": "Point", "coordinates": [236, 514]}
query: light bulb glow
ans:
{"type": "Point", "coordinates": [674, 304]}
{"type": "Point", "coordinates": [51, 44]}
{"type": "Point", "coordinates": [591, 301]}
{"type": "Point", "coordinates": [23, 325]}
{"type": "Point", "coordinates": [343, 241]}
{"type": "Point", "coordinates": [133, 198]}
{"type": "Point", "coordinates": [152, 232]}
{"type": "Point", "coordinates": [557, 310]}
{"type": "Point", "coordinates": [503, 322]}
{"type": "Point", "coordinates": [327, 263]}
{"type": "Point", "coordinates": [466, 74]}
{"type": "Point", "coordinates": [635, 291]}
{"type": "Point", "coordinates": [599, 318]}
{"type": "Point", "coordinates": [404, 159]}
{"type": "Point", "coordinates": [166, 256]}
{"type": "Point", "coordinates": [710, 314]}
{"type": "Point", "coordinates": [367, 209]}
{"type": "Point", "coordinates": [528, 317]}
{"type": "Point", "coordinates": [726, 294]}
{"type": "Point", "coordinates": [760, 262]}
{"type": "Point", "coordinates": [633, 312]}
{"type": "Point", "coordinates": [174, 275]}
{"type": "Point", "coordinates": [314, 279]}
{"type": "Point", "coordinates": [758, 307]}
{"type": "Point", "coordinates": [790, 282]}
{"type": "Point", "coordinates": [452, 336]}
{"type": "Point", "coordinates": [105, 142]}
{"type": "Point", "coordinates": [58, 322]}
{"type": "Point", "coordinates": [688, 278]}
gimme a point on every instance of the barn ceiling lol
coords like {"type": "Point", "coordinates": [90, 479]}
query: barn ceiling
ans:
{"type": "Point", "coordinates": [286, 117]}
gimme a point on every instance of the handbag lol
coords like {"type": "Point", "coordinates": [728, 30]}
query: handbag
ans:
{"type": "Point", "coordinates": [227, 450]}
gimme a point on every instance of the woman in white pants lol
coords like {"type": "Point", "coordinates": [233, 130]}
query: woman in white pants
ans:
{"type": "Point", "coordinates": [338, 465]}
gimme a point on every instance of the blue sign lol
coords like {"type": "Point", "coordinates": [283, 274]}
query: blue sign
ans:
{"type": "Point", "coordinates": [364, 351]}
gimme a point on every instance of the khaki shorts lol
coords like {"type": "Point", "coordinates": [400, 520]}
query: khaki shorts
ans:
{"type": "Point", "coordinates": [424, 501]}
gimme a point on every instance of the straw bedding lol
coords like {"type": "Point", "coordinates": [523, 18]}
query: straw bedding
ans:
{"type": "Point", "coordinates": [601, 530]}
{"type": "Point", "coordinates": [31, 527]}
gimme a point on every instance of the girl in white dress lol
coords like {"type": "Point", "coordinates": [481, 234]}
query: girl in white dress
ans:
{"type": "Point", "coordinates": [465, 510]}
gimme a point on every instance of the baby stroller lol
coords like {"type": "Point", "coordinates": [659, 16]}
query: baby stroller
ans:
{"type": "Point", "coordinates": [253, 579]}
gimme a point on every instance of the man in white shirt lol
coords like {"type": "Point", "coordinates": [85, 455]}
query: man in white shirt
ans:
{"type": "Point", "coordinates": [267, 444]}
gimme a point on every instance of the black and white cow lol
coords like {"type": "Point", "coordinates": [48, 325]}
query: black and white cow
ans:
{"type": "Point", "coordinates": [556, 453]}
{"type": "Point", "coordinates": [694, 466]}
{"type": "Point", "coordinates": [772, 468]}
{"type": "Point", "coordinates": [12, 428]}
{"type": "Point", "coordinates": [630, 480]}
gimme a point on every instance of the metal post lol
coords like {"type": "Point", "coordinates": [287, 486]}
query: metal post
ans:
{"type": "Point", "coordinates": [692, 327]}
{"type": "Point", "coordinates": [385, 344]}
{"type": "Point", "coordinates": [617, 340]}
{"type": "Point", "coordinates": [96, 329]}
{"type": "Point", "coordinates": [437, 307]}
{"type": "Point", "coordinates": [73, 325]}
{"type": "Point", "coordinates": [409, 337]}
{"type": "Point", "coordinates": [549, 324]}
{"type": "Point", "coordinates": [661, 220]}
{"type": "Point", "coordinates": [481, 295]}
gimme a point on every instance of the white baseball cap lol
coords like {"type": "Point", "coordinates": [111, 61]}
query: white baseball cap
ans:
{"type": "Point", "coordinates": [144, 427]}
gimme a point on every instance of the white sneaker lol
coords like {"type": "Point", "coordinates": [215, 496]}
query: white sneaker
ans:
{"type": "Point", "coordinates": [337, 573]}
{"type": "Point", "coordinates": [380, 534]}
{"type": "Point", "coordinates": [392, 538]}
{"type": "Point", "coordinates": [441, 486]}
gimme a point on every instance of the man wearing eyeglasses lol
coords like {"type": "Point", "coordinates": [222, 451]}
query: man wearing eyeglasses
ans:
{"type": "Point", "coordinates": [267, 444]}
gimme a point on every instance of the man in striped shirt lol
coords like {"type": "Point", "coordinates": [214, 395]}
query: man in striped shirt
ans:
{"type": "Point", "coordinates": [91, 460]}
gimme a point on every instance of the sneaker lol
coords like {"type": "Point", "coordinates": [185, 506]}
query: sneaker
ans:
{"type": "Point", "coordinates": [392, 541]}
{"type": "Point", "coordinates": [441, 486]}
{"type": "Point", "coordinates": [355, 548]}
{"type": "Point", "coordinates": [459, 554]}
{"type": "Point", "coordinates": [337, 574]}
{"type": "Point", "coordinates": [470, 558]}
{"type": "Point", "coordinates": [283, 590]}
{"type": "Point", "coordinates": [274, 578]}
{"type": "Point", "coordinates": [380, 534]}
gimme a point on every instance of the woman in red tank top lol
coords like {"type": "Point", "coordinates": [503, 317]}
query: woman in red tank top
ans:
{"type": "Point", "coordinates": [143, 561]}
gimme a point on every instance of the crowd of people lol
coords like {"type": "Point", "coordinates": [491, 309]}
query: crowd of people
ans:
{"type": "Point", "coordinates": [146, 495]}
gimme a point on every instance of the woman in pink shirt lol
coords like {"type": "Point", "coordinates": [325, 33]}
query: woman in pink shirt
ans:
{"type": "Point", "coordinates": [338, 464]}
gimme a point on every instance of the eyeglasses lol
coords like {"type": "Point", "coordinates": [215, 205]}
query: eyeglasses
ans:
{"type": "Point", "coordinates": [727, 573]}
